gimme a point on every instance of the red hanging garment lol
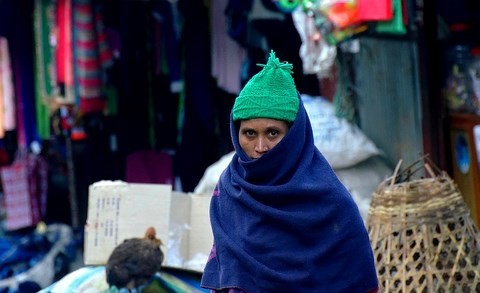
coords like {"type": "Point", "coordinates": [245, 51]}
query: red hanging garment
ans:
{"type": "Point", "coordinates": [374, 10]}
{"type": "Point", "coordinates": [64, 43]}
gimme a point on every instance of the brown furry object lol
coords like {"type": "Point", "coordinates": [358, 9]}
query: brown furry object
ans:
{"type": "Point", "coordinates": [134, 262]}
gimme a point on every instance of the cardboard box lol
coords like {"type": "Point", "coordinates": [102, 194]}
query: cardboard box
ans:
{"type": "Point", "coordinates": [118, 210]}
{"type": "Point", "coordinates": [190, 239]}
{"type": "Point", "coordinates": [200, 237]}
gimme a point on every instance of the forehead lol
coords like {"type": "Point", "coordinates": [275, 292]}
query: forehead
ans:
{"type": "Point", "coordinates": [258, 123]}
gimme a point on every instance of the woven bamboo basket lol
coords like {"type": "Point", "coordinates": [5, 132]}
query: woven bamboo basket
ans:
{"type": "Point", "coordinates": [422, 235]}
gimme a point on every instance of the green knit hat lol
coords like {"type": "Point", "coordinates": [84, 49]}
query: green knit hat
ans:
{"type": "Point", "coordinates": [271, 93]}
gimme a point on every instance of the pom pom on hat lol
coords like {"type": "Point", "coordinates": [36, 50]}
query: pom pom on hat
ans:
{"type": "Point", "coordinates": [271, 93]}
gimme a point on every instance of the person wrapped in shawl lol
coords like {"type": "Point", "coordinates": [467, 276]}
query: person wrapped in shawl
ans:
{"type": "Point", "coordinates": [281, 219]}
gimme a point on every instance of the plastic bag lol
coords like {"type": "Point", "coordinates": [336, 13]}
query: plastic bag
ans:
{"type": "Point", "coordinates": [343, 144]}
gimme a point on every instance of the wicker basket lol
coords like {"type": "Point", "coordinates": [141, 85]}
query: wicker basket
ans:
{"type": "Point", "coordinates": [422, 235]}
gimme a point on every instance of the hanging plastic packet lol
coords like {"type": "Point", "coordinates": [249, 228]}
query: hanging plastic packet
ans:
{"type": "Point", "coordinates": [474, 73]}
{"type": "Point", "coordinates": [342, 13]}
{"type": "Point", "coordinates": [335, 19]}
{"type": "Point", "coordinates": [457, 90]}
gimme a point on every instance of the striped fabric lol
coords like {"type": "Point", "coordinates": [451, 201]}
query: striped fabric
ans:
{"type": "Point", "coordinates": [92, 54]}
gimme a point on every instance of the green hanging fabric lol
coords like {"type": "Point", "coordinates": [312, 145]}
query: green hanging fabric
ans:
{"type": "Point", "coordinates": [43, 63]}
{"type": "Point", "coordinates": [395, 25]}
{"type": "Point", "coordinates": [344, 98]}
{"type": "Point", "coordinates": [181, 114]}
{"type": "Point", "coordinates": [111, 95]}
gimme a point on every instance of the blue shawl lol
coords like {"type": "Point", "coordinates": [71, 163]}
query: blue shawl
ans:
{"type": "Point", "coordinates": [285, 223]}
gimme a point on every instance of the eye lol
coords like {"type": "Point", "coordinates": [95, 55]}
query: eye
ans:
{"type": "Point", "coordinates": [249, 133]}
{"type": "Point", "coordinates": [273, 133]}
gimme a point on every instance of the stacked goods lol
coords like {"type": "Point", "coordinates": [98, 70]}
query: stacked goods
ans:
{"type": "Point", "coordinates": [422, 235]}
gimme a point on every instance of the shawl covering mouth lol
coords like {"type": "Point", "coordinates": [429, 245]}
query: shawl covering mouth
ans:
{"type": "Point", "coordinates": [285, 223]}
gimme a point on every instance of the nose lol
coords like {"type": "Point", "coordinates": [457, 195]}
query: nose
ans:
{"type": "Point", "coordinates": [261, 146]}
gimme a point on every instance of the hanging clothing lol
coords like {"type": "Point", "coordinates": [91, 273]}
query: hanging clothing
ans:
{"type": "Point", "coordinates": [17, 28]}
{"type": "Point", "coordinates": [45, 81]}
{"type": "Point", "coordinates": [2, 130]}
{"type": "Point", "coordinates": [167, 43]}
{"type": "Point", "coordinates": [8, 91]}
{"type": "Point", "coordinates": [167, 81]}
{"type": "Point", "coordinates": [92, 55]}
{"type": "Point", "coordinates": [23, 66]}
{"type": "Point", "coordinates": [19, 113]}
{"type": "Point", "coordinates": [227, 55]}
{"type": "Point", "coordinates": [285, 223]}
{"type": "Point", "coordinates": [63, 54]}
{"type": "Point", "coordinates": [195, 152]}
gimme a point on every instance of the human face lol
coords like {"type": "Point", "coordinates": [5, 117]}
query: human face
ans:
{"type": "Point", "coordinates": [258, 136]}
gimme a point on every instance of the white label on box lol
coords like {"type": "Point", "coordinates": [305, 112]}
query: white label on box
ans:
{"type": "Point", "coordinates": [118, 211]}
